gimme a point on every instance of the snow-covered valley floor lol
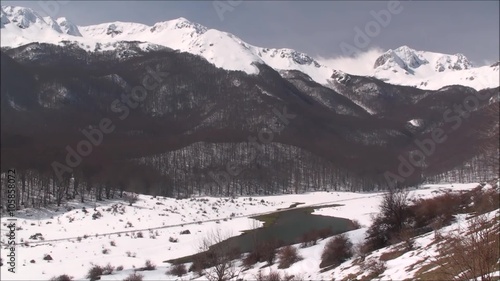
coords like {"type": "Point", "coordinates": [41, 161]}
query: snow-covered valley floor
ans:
{"type": "Point", "coordinates": [129, 235]}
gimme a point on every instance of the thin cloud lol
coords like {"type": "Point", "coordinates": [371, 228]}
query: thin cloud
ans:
{"type": "Point", "coordinates": [361, 64]}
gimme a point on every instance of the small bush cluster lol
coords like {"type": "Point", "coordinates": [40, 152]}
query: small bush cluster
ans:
{"type": "Point", "coordinates": [130, 254]}
{"type": "Point", "coordinates": [95, 273]}
{"type": "Point", "coordinates": [108, 269]}
{"type": "Point", "coordinates": [356, 224]}
{"type": "Point", "coordinates": [131, 197]}
{"type": "Point", "coordinates": [96, 215]}
{"type": "Point", "coordinates": [336, 251]}
{"type": "Point", "coordinates": [117, 209]}
{"type": "Point", "coordinates": [149, 265]}
{"type": "Point", "coordinates": [178, 270]}
{"type": "Point", "coordinates": [374, 268]}
{"type": "Point", "coordinates": [263, 252]}
{"type": "Point", "coordinates": [63, 277]}
{"type": "Point", "coordinates": [36, 236]}
{"type": "Point", "coordinates": [134, 277]}
{"type": "Point", "coordinates": [287, 256]}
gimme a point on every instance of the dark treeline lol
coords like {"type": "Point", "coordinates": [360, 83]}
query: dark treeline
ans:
{"type": "Point", "coordinates": [190, 176]}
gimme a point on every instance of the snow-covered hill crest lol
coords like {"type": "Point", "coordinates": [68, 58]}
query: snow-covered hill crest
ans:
{"type": "Point", "coordinates": [403, 65]}
{"type": "Point", "coordinates": [68, 27]}
{"type": "Point", "coordinates": [21, 26]}
{"type": "Point", "coordinates": [412, 61]}
{"type": "Point", "coordinates": [428, 70]}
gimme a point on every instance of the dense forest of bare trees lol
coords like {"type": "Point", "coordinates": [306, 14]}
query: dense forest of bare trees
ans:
{"type": "Point", "coordinates": [280, 170]}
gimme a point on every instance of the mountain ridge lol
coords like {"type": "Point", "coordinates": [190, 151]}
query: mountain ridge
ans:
{"type": "Point", "coordinates": [402, 66]}
{"type": "Point", "coordinates": [223, 49]}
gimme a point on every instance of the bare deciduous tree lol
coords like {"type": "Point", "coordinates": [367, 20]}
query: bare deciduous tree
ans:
{"type": "Point", "coordinates": [131, 197]}
{"type": "Point", "coordinates": [395, 209]}
{"type": "Point", "coordinates": [392, 219]}
{"type": "Point", "coordinates": [221, 259]}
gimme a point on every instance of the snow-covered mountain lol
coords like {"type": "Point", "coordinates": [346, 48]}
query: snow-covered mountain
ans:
{"type": "Point", "coordinates": [20, 26]}
{"type": "Point", "coordinates": [409, 60]}
{"type": "Point", "coordinates": [427, 70]}
{"type": "Point", "coordinates": [403, 66]}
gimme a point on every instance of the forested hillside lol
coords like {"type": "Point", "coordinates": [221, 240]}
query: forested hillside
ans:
{"type": "Point", "coordinates": [198, 129]}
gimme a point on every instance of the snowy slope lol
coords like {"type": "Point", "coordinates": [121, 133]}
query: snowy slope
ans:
{"type": "Point", "coordinates": [21, 26]}
{"type": "Point", "coordinates": [427, 70]}
{"type": "Point", "coordinates": [408, 263]}
{"type": "Point", "coordinates": [220, 48]}
{"type": "Point", "coordinates": [431, 70]}
{"type": "Point", "coordinates": [160, 218]}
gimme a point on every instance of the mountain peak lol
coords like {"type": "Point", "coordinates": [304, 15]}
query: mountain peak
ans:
{"type": "Point", "coordinates": [17, 9]}
{"type": "Point", "coordinates": [296, 56]}
{"type": "Point", "coordinates": [21, 16]}
{"type": "Point", "coordinates": [409, 60]}
{"type": "Point", "coordinates": [25, 18]}
{"type": "Point", "coordinates": [68, 27]}
{"type": "Point", "coordinates": [405, 57]}
{"type": "Point", "coordinates": [179, 23]}
{"type": "Point", "coordinates": [405, 48]}
{"type": "Point", "coordinates": [452, 62]}
{"type": "Point", "coordinates": [181, 19]}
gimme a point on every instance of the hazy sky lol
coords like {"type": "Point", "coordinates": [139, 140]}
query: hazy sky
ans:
{"type": "Point", "coordinates": [314, 27]}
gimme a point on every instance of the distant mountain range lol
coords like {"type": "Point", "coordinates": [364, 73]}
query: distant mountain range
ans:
{"type": "Point", "coordinates": [428, 70]}
{"type": "Point", "coordinates": [402, 66]}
